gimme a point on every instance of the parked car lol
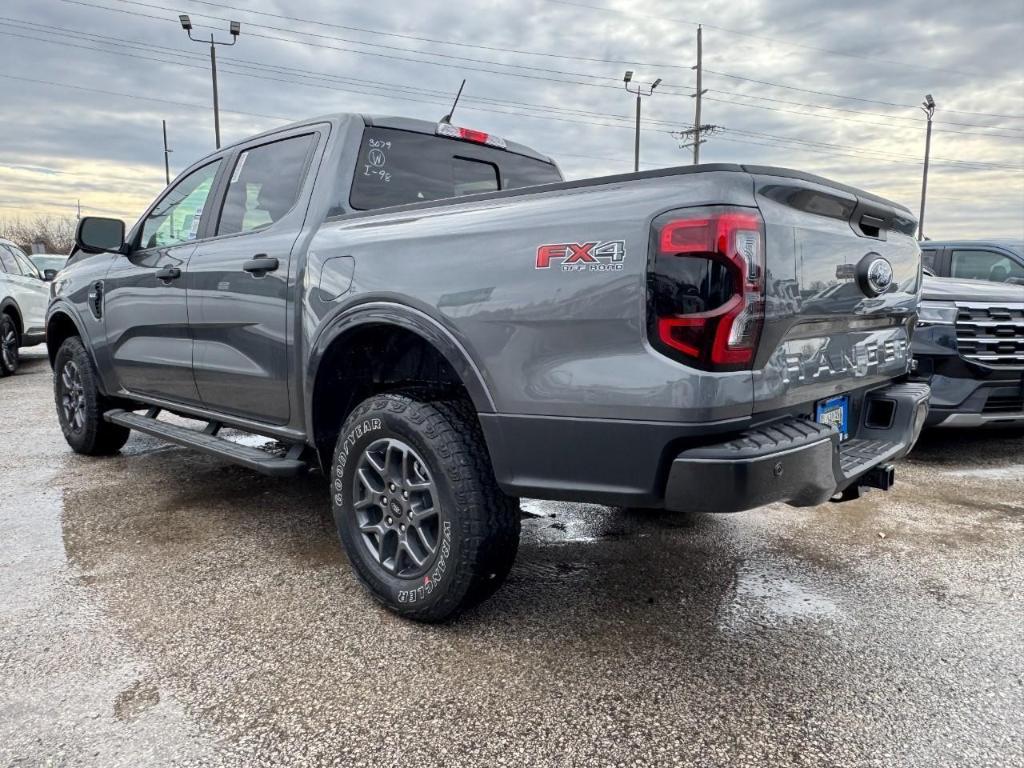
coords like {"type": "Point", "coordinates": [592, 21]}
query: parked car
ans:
{"type": "Point", "coordinates": [969, 347]}
{"type": "Point", "coordinates": [49, 264]}
{"type": "Point", "coordinates": [999, 261]}
{"type": "Point", "coordinates": [23, 299]}
{"type": "Point", "coordinates": [433, 317]}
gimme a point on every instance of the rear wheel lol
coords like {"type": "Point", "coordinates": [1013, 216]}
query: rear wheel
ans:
{"type": "Point", "coordinates": [80, 406]}
{"type": "Point", "coordinates": [9, 343]}
{"type": "Point", "coordinates": [425, 526]}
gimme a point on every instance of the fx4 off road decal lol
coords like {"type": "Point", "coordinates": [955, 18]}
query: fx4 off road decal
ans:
{"type": "Point", "coordinates": [604, 256]}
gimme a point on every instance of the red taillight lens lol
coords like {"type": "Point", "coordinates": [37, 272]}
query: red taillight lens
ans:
{"type": "Point", "coordinates": [707, 286]}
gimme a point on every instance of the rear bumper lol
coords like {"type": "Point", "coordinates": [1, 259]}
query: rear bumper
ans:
{"type": "Point", "coordinates": [723, 466]}
{"type": "Point", "coordinates": [796, 460]}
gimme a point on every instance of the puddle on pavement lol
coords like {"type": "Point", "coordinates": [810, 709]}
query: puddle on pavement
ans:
{"type": "Point", "coordinates": [765, 595]}
{"type": "Point", "coordinates": [1012, 472]}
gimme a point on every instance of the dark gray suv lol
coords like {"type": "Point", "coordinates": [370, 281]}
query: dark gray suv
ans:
{"type": "Point", "coordinates": [998, 261]}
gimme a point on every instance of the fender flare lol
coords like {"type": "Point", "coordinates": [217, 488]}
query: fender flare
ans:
{"type": "Point", "coordinates": [407, 318]}
{"type": "Point", "coordinates": [63, 308]}
{"type": "Point", "coordinates": [9, 302]}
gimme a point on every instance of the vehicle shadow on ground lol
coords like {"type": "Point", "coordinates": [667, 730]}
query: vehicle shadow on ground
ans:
{"type": "Point", "coordinates": [965, 447]}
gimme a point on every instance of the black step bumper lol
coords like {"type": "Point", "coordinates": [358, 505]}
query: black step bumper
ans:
{"type": "Point", "coordinates": [798, 461]}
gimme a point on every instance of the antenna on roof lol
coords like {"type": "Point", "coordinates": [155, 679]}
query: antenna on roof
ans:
{"type": "Point", "coordinates": [448, 118]}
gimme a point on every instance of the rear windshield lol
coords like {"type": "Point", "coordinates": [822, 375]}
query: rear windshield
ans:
{"type": "Point", "coordinates": [398, 167]}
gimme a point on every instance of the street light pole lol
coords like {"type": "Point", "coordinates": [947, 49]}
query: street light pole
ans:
{"type": "Point", "coordinates": [928, 107]}
{"type": "Point", "coordinates": [636, 142]}
{"type": "Point", "coordinates": [640, 91]}
{"type": "Point", "coordinates": [216, 101]}
{"type": "Point", "coordinates": [167, 152]}
{"type": "Point", "coordinates": [235, 28]}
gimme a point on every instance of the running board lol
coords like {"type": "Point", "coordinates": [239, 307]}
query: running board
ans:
{"type": "Point", "coordinates": [208, 442]}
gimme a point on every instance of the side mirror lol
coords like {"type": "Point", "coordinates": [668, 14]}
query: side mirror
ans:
{"type": "Point", "coordinates": [49, 275]}
{"type": "Point", "coordinates": [96, 234]}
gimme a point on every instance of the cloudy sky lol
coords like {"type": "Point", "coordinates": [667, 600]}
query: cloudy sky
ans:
{"type": "Point", "coordinates": [825, 87]}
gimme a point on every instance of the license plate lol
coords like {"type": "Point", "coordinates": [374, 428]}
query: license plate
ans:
{"type": "Point", "coordinates": [835, 412]}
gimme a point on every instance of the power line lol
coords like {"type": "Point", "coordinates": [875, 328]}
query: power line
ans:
{"type": "Point", "coordinates": [416, 90]}
{"type": "Point", "coordinates": [774, 40]}
{"type": "Point", "coordinates": [478, 46]}
{"type": "Point", "coordinates": [852, 98]}
{"type": "Point", "coordinates": [501, 64]}
{"type": "Point", "coordinates": [869, 152]}
{"type": "Point", "coordinates": [546, 116]}
{"type": "Point", "coordinates": [135, 96]}
{"type": "Point", "coordinates": [842, 153]}
{"type": "Point", "coordinates": [851, 119]}
{"type": "Point", "coordinates": [546, 71]}
{"type": "Point", "coordinates": [885, 115]}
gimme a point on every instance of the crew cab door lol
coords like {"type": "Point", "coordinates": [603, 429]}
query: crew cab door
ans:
{"type": "Point", "coordinates": [239, 280]}
{"type": "Point", "coordinates": [143, 294]}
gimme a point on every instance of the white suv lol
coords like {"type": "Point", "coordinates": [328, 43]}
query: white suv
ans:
{"type": "Point", "coordinates": [24, 295]}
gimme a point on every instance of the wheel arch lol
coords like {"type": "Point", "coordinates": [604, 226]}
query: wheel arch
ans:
{"type": "Point", "coordinates": [10, 307]}
{"type": "Point", "coordinates": [396, 331]}
{"type": "Point", "coordinates": [61, 325]}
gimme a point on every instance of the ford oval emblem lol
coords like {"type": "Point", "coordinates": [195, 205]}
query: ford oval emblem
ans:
{"type": "Point", "coordinates": [874, 274]}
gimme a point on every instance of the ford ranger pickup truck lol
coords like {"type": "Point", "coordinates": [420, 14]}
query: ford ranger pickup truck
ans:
{"type": "Point", "coordinates": [436, 320]}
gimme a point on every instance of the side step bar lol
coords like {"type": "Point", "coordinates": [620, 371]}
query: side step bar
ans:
{"type": "Point", "coordinates": [208, 442]}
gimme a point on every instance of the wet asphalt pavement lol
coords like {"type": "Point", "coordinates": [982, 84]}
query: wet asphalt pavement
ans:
{"type": "Point", "coordinates": [161, 608]}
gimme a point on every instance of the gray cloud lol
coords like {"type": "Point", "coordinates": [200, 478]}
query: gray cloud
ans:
{"type": "Point", "coordinates": [106, 147]}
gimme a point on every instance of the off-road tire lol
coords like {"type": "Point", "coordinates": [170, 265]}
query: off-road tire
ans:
{"type": "Point", "coordinates": [9, 342]}
{"type": "Point", "coordinates": [482, 522]}
{"type": "Point", "coordinates": [91, 435]}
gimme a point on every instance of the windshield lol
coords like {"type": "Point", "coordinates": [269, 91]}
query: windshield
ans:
{"type": "Point", "coordinates": [44, 263]}
{"type": "Point", "coordinates": [397, 167]}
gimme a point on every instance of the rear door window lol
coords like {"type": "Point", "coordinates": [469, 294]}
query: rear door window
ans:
{"type": "Point", "coordinates": [397, 167]}
{"type": "Point", "coordinates": [27, 267]}
{"type": "Point", "coordinates": [984, 265]}
{"type": "Point", "coordinates": [7, 260]}
{"type": "Point", "coordinates": [928, 259]}
{"type": "Point", "coordinates": [265, 185]}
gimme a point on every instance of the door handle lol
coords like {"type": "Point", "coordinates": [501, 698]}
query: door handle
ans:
{"type": "Point", "coordinates": [168, 273]}
{"type": "Point", "coordinates": [260, 264]}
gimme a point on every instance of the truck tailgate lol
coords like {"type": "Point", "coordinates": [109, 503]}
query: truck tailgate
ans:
{"type": "Point", "coordinates": [833, 322]}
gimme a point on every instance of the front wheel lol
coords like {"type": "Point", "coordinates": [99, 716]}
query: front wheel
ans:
{"type": "Point", "coordinates": [9, 343]}
{"type": "Point", "coordinates": [80, 405]}
{"type": "Point", "coordinates": [424, 524]}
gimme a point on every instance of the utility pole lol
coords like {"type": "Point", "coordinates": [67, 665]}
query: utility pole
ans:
{"type": "Point", "coordinates": [697, 126]}
{"type": "Point", "coordinates": [928, 107]}
{"type": "Point", "coordinates": [690, 138]}
{"type": "Point", "coordinates": [640, 91]}
{"type": "Point", "coordinates": [167, 152]}
{"type": "Point", "coordinates": [235, 28]}
{"type": "Point", "coordinates": [79, 209]}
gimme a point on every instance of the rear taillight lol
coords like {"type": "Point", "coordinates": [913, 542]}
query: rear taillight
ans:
{"type": "Point", "coordinates": [706, 286]}
{"type": "Point", "coordinates": [468, 134]}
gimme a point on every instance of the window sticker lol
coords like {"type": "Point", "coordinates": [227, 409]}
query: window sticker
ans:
{"type": "Point", "coordinates": [194, 229]}
{"type": "Point", "coordinates": [238, 167]}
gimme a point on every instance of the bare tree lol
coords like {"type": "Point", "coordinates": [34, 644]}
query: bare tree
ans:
{"type": "Point", "coordinates": [55, 233]}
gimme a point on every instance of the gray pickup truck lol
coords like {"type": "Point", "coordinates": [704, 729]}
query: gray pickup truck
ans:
{"type": "Point", "coordinates": [432, 317]}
